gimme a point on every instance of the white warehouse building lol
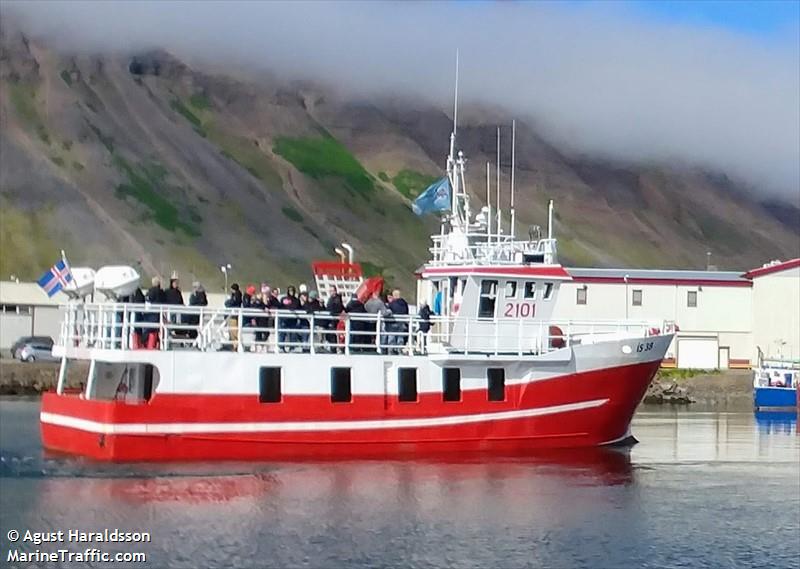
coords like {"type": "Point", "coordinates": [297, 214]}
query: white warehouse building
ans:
{"type": "Point", "coordinates": [725, 319]}
{"type": "Point", "coordinates": [711, 308]}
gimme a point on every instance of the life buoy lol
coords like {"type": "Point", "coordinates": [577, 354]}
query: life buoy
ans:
{"type": "Point", "coordinates": [556, 337]}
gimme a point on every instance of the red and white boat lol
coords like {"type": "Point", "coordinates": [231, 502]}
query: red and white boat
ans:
{"type": "Point", "coordinates": [494, 373]}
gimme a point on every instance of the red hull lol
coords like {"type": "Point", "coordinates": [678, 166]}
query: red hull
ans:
{"type": "Point", "coordinates": [585, 409]}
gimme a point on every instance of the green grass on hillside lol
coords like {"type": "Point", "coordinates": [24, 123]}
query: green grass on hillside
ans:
{"type": "Point", "coordinates": [178, 106]}
{"type": "Point", "coordinates": [326, 157]}
{"type": "Point", "coordinates": [28, 244]}
{"type": "Point", "coordinates": [411, 183]}
{"type": "Point", "coordinates": [23, 98]}
{"type": "Point", "coordinates": [292, 214]}
{"type": "Point", "coordinates": [247, 155]}
{"type": "Point", "coordinates": [144, 181]}
{"type": "Point", "coordinates": [105, 140]}
{"type": "Point", "coordinates": [200, 102]}
{"type": "Point", "coordinates": [197, 123]}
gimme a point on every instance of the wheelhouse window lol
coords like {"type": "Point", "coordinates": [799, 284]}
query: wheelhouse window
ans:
{"type": "Point", "coordinates": [548, 291]}
{"type": "Point", "coordinates": [341, 391]}
{"type": "Point", "coordinates": [407, 384]}
{"type": "Point", "coordinates": [636, 299]}
{"type": "Point", "coordinates": [530, 290]}
{"type": "Point", "coordinates": [451, 384]}
{"type": "Point", "coordinates": [269, 385]}
{"type": "Point", "coordinates": [691, 299]}
{"type": "Point", "coordinates": [487, 299]}
{"type": "Point", "coordinates": [581, 296]}
{"type": "Point", "coordinates": [496, 377]}
{"type": "Point", "coordinates": [511, 289]}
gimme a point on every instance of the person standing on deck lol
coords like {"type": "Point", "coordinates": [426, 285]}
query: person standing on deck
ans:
{"type": "Point", "coordinates": [374, 306]}
{"type": "Point", "coordinates": [234, 301]}
{"type": "Point", "coordinates": [399, 307]}
{"type": "Point", "coordinates": [287, 325]}
{"type": "Point", "coordinates": [197, 298]}
{"type": "Point", "coordinates": [358, 340]}
{"type": "Point", "coordinates": [335, 308]}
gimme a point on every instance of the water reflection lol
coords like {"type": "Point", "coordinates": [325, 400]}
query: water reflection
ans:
{"type": "Point", "coordinates": [683, 497]}
{"type": "Point", "coordinates": [776, 422]}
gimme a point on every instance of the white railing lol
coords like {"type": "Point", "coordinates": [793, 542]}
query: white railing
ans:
{"type": "Point", "coordinates": [496, 249]}
{"type": "Point", "coordinates": [162, 327]}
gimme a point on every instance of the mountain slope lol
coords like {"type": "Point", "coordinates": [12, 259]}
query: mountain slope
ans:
{"type": "Point", "coordinates": [144, 159]}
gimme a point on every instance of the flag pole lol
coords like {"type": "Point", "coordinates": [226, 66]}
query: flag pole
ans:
{"type": "Point", "coordinates": [64, 258]}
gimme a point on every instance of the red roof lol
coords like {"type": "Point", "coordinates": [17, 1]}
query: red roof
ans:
{"type": "Point", "coordinates": [337, 269]}
{"type": "Point", "coordinates": [776, 268]}
{"type": "Point", "coordinates": [669, 282]}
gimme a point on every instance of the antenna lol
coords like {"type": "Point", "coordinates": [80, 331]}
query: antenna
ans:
{"type": "Point", "coordinates": [451, 158]}
{"type": "Point", "coordinates": [513, 148]}
{"type": "Point", "coordinates": [499, 220]}
{"type": "Point", "coordinates": [488, 204]}
{"type": "Point", "coordinates": [455, 99]}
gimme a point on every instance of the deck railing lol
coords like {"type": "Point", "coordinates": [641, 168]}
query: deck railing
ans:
{"type": "Point", "coordinates": [125, 326]}
{"type": "Point", "coordinates": [497, 250]}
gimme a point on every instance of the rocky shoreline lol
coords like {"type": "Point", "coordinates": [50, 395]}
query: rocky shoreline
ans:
{"type": "Point", "coordinates": [729, 388]}
{"type": "Point", "coordinates": [17, 378]}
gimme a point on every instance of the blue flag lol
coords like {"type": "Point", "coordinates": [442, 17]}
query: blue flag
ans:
{"type": "Point", "coordinates": [55, 278]}
{"type": "Point", "coordinates": [435, 198]}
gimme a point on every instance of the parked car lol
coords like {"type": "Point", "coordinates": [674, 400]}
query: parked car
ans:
{"type": "Point", "coordinates": [34, 348]}
{"type": "Point", "coordinates": [47, 340]}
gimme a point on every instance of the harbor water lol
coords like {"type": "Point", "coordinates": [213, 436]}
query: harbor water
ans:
{"type": "Point", "coordinates": [701, 489]}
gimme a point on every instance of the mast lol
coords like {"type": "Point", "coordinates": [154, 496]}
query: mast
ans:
{"type": "Point", "coordinates": [499, 227]}
{"type": "Point", "coordinates": [453, 164]}
{"type": "Point", "coordinates": [488, 204]}
{"type": "Point", "coordinates": [513, 149]}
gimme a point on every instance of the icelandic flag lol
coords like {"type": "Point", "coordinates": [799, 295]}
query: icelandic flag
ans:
{"type": "Point", "coordinates": [435, 198]}
{"type": "Point", "coordinates": [56, 278]}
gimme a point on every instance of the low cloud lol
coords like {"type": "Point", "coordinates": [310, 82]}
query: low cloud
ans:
{"type": "Point", "coordinates": [594, 77]}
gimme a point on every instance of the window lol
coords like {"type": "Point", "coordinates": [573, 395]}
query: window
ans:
{"type": "Point", "coordinates": [487, 300]}
{"type": "Point", "coordinates": [451, 384]}
{"type": "Point", "coordinates": [269, 385]}
{"type": "Point", "coordinates": [511, 289]}
{"type": "Point", "coordinates": [340, 385]}
{"type": "Point", "coordinates": [530, 290]}
{"type": "Point", "coordinates": [581, 295]}
{"type": "Point", "coordinates": [637, 298]}
{"type": "Point", "coordinates": [548, 291]}
{"type": "Point", "coordinates": [497, 384]}
{"type": "Point", "coordinates": [150, 378]}
{"type": "Point", "coordinates": [407, 384]}
{"type": "Point", "coordinates": [691, 299]}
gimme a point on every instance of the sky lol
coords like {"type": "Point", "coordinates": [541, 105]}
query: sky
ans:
{"type": "Point", "coordinates": [709, 83]}
{"type": "Point", "coordinates": [765, 18]}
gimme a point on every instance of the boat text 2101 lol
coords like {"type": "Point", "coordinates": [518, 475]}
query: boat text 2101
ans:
{"type": "Point", "coordinates": [519, 310]}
